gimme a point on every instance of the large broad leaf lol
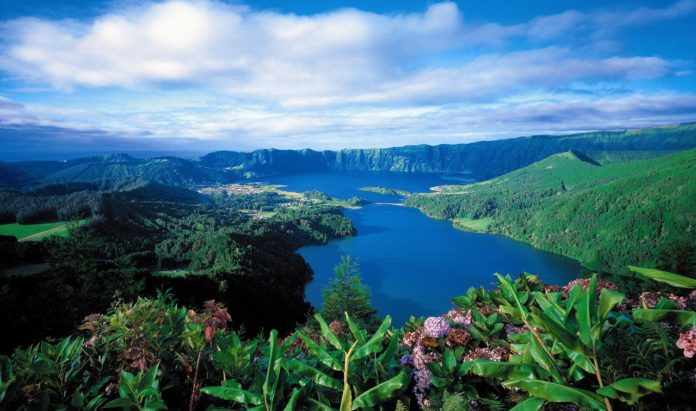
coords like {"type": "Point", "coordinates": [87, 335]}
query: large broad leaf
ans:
{"type": "Point", "coordinates": [553, 392]}
{"type": "Point", "coordinates": [321, 354]}
{"type": "Point", "coordinates": [302, 369]}
{"type": "Point", "coordinates": [530, 404]}
{"type": "Point", "coordinates": [358, 334]}
{"type": "Point", "coordinates": [506, 370]}
{"type": "Point", "coordinates": [328, 334]}
{"type": "Point", "coordinates": [270, 383]}
{"type": "Point", "coordinates": [680, 317]}
{"type": "Point", "coordinates": [672, 279]}
{"type": "Point", "coordinates": [374, 344]}
{"type": "Point", "coordinates": [510, 293]}
{"type": "Point", "coordinates": [608, 299]}
{"type": "Point", "coordinates": [584, 314]}
{"type": "Point", "coordinates": [382, 392]}
{"type": "Point", "coordinates": [559, 330]}
{"type": "Point", "coordinates": [294, 398]}
{"type": "Point", "coordinates": [233, 394]}
{"type": "Point", "coordinates": [630, 390]}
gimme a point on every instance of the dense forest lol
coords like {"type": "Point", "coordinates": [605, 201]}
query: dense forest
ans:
{"type": "Point", "coordinates": [605, 216]}
{"type": "Point", "coordinates": [149, 237]}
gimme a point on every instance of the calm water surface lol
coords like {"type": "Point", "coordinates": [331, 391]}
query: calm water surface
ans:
{"type": "Point", "coordinates": [413, 264]}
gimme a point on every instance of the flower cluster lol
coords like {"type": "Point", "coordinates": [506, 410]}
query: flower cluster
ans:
{"type": "Point", "coordinates": [585, 282]}
{"type": "Point", "coordinates": [458, 337]}
{"type": "Point", "coordinates": [687, 342]}
{"type": "Point", "coordinates": [650, 299]}
{"type": "Point", "coordinates": [459, 317]}
{"type": "Point", "coordinates": [436, 327]}
{"type": "Point", "coordinates": [513, 329]}
{"type": "Point", "coordinates": [493, 354]}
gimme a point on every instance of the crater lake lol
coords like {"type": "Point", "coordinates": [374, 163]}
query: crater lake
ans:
{"type": "Point", "coordinates": [413, 264]}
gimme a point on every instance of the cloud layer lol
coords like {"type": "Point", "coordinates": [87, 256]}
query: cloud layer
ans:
{"type": "Point", "coordinates": [342, 78]}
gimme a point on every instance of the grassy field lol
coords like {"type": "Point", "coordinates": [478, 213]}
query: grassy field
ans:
{"type": "Point", "coordinates": [480, 225]}
{"type": "Point", "coordinates": [36, 232]}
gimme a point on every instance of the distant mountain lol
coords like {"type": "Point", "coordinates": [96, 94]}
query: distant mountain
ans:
{"type": "Point", "coordinates": [479, 160]}
{"type": "Point", "coordinates": [605, 216]}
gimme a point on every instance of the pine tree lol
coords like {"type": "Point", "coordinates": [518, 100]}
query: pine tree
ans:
{"type": "Point", "coordinates": [347, 293]}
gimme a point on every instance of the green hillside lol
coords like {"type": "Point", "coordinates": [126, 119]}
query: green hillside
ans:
{"type": "Point", "coordinates": [604, 216]}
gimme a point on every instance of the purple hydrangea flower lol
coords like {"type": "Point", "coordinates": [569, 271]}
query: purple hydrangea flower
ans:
{"type": "Point", "coordinates": [436, 327]}
{"type": "Point", "coordinates": [406, 360]}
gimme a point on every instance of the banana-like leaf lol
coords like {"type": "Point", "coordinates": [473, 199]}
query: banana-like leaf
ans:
{"type": "Point", "coordinates": [382, 392]}
{"type": "Point", "coordinates": [328, 334]}
{"type": "Point", "coordinates": [388, 354]}
{"type": "Point", "coordinates": [630, 390]}
{"type": "Point", "coordinates": [553, 392]}
{"type": "Point", "coordinates": [346, 399]}
{"type": "Point", "coordinates": [608, 299]}
{"type": "Point", "coordinates": [322, 355]}
{"type": "Point", "coordinates": [358, 334]}
{"type": "Point", "coordinates": [302, 369]}
{"type": "Point", "coordinates": [680, 317]}
{"type": "Point", "coordinates": [268, 386]}
{"type": "Point", "coordinates": [672, 279]}
{"type": "Point", "coordinates": [566, 336]}
{"type": "Point", "coordinates": [294, 399]}
{"type": "Point", "coordinates": [542, 358]}
{"type": "Point", "coordinates": [583, 313]}
{"type": "Point", "coordinates": [507, 371]}
{"type": "Point", "coordinates": [374, 344]}
{"type": "Point", "coordinates": [233, 394]}
{"type": "Point", "coordinates": [530, 404]}
{"type": "Point", "coordinates": [320, 406]}
{"type": "Point", "coordinates": [510, 293]}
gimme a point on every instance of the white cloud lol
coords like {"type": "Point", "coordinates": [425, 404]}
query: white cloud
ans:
{"type": "Point", "coordinates": [344, 56]}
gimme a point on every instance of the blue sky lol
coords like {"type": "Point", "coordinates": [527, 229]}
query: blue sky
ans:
{"type": "Point", "coordinates": [189, 77]}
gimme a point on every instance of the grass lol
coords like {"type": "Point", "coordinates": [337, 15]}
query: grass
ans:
{"type": "Point", "coordinates": [172, 273]}
{"type": "Point", "coordinates": [36, 232]}
{"type": "Point", "coordinates": [480, 225]}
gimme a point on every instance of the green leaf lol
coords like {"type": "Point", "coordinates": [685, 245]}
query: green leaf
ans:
{"type": "Point", "coordinates": [389, 353]}
{"type": "Point", "coordinates": [510, 293]}
{"type": "Point", "coordinates": [382, 392]}
{"type": "Point", "coordinates": [354, 329]}
{"type": "Point", "coordinates": [672, 279]}
{"type": "Point", "coordinates": [321, 354]}
{"type": "Point", "coordinates": [630, 390]}
{"type": "Point", "coordinates": [374, 344]}
{"type": "Point", "coordinates": [272, 358]}
{"type": "Point", "coordinates": [320, 405]}
{"type": "Point", "coordinates": [608, 299]}
{"type": "Point", "coordinates": [583, 313]}
{"type": "Point", "coordinates": [120, 403]}
{"type": "Point", "coordinates": [566, 336]}
{"type": "Point", "coordinates": [680, 317]}
{"type": "Point", "coordinates": [507, 370]}
{"type": "Point", "coordinates": [530, 404]}
{"type": "Point", "coordinates": [326, 332]}
{"type": "Point", "coordinates": [554, 392]}
{"type": "Point", "coordinates": [294, 398]}
{"type": "Point", "coordinates": [234, 394]}
{"type": "Point", "coordinates": [302, 369]}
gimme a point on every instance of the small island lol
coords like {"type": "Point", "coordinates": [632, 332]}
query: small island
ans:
{"type": "Point", "coordinates": [386, 191]}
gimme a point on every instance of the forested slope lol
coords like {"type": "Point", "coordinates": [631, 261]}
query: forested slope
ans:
{"type": "Point", "coordinates": [605, 216]}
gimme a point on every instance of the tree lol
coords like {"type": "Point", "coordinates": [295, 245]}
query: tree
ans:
{"type": "Point", "coordinates": [347, 293]}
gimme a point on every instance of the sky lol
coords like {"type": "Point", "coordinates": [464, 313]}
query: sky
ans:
{"type": "Point", "coordinates": [187, 77]}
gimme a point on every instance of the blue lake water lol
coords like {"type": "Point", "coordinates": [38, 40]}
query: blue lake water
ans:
{"type": "Point", "coordinates": [415, 265]}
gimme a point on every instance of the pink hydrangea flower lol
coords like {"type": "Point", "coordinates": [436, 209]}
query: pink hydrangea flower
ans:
{"type": "Point", "coordinates": [687, 342]}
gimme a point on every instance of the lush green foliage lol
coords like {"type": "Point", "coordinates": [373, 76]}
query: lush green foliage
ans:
{"type": "Point", "coordinates": [347, 293]}
{"type": "Point", "coordinates": [518, 346]}
{"type": "Point", "coordinates": [604, 216]}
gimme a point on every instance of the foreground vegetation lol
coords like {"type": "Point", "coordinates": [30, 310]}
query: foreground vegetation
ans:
{"type": "Point", "coordinates": [519, 346]}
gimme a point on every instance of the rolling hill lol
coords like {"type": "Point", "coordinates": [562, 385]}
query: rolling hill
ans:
{"type": "Point", "coordinates": [605, 216]}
